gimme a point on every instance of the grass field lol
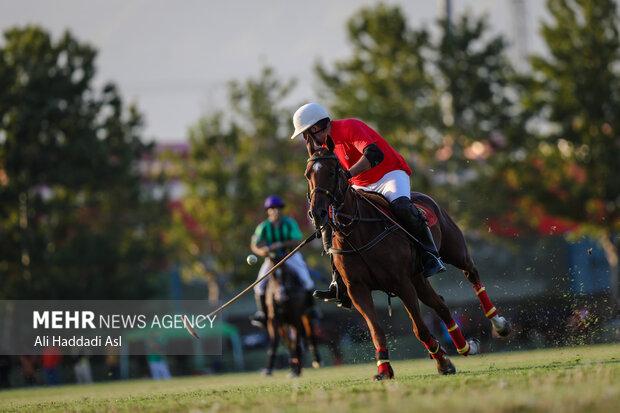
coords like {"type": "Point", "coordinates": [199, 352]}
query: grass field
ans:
{"type": "Point", "coordinates": [577, 379]}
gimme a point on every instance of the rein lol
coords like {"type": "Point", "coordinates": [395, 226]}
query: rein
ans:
{"type": "Point", "coordinates": [337, 204]}
{"type": "Point", "coordinates": [354, 218]}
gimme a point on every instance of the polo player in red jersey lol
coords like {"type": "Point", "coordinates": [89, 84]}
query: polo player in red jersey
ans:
{"type": "Point", "coordinates": [371, 164]}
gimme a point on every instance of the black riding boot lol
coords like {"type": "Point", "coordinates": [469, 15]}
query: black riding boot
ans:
{"type": "Point", "coordinates": [259, 319]}
{"type": "Point", "coordinates": [336, 291]}
{"type": "Point", "coordinates": [412, 220]}
{"type": "Point", "coordinates": [331, 294]}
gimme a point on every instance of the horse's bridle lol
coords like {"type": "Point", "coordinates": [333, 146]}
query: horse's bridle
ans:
{"type": "Point", "coordinates": [336, 192]}
{"type": "Point", "coordinates": [337, 204]}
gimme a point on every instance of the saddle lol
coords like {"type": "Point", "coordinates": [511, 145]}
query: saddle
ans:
{"type": "Point", "coordinates": [417, 197]}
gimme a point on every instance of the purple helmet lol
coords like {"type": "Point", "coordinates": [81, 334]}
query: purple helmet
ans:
{"type": "Point", "coordinates": [274, 201]}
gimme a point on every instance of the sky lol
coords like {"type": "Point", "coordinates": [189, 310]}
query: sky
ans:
{"type": "Point", "coordinates": [174, 58]}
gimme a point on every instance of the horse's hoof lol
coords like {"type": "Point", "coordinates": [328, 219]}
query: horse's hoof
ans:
{"type": "Point", "coordinates": [316, 364]}
{"type": "Point", "coordinates": [504, 330]}
{"type": "Point", "coordinates": [293, 374]}
{"type": "Point", "coordinates": [266, 372]}
{"type": "Point", "coordinates": [382, 376]}
{"type": "Point", "coordinates": [474, 347]}
{"type": "Point", "coordinates": [385, 372]}
{"type": "Point", "coordinates": [445, 366]}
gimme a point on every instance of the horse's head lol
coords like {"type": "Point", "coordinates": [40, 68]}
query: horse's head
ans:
{"type": "Point", "coordinates": [326, 185]}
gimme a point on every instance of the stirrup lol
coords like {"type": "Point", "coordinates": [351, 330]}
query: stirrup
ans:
{"type": "Point", "coordinates": [257, 323]}
{"type": "Point", "coordinates": [331, 294]}
{"type": "Point", "coordinates": [258, 319]}
{"type": "Point", "coordinates": [432, 265]}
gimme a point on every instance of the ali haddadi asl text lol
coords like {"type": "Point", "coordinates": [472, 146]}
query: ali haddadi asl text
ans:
{"type": "Point", "coordinates": [78, 341]}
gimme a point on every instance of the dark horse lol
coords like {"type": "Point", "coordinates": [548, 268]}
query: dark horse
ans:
{"type": "Point", "coordinates": [371, 253]}
{"type": "Point", "coordinates": [287, 319]}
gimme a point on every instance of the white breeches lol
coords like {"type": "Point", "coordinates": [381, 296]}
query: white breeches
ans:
{"type": "Point", "coordinates": [296, 263]}
{"type": "Point", "coordinates": [392, 185]}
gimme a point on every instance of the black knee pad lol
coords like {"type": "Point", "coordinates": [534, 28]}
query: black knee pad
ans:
{"type": "Point", "coordinates": [403, 208]}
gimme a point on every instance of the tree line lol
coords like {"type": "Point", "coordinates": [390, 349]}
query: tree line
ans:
{"type": "Point", "coordinates": [495, 145]}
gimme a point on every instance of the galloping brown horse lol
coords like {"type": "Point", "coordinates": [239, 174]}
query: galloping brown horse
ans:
{"type": "Point", "coordinates": [287, 319]}
{"type": "Point", "coordinates": [371, 253]}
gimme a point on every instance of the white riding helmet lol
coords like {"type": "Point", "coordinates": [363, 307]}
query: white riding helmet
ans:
{"type": "Point", "coordinates": [306, 116]}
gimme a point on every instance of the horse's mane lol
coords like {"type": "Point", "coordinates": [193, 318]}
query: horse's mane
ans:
{"type": "Point", "coordinates": [322, 152]}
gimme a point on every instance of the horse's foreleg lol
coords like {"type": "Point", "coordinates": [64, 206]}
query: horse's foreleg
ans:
{"type": "Point", "coordinates": [295, 353]}
{"type": "Point", "coordinates": [500, 324]}
{"type": "Point", "coordinates": [429, 297]}
{"type": "Point", "coordinates": [362, 300]}
{"type": "Point", "coordinates": [409, 298]}
{"type": "Point", "coordinates": [274, 340]}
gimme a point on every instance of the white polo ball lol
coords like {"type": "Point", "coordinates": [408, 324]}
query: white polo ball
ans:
{"type": "Point", "coordinates": [251, 259]}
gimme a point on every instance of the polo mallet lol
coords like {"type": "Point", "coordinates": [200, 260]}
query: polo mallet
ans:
{"type": "Point", "coordinates": [191, 330]}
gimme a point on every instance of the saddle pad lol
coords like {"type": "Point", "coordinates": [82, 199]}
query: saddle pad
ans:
{"type": "Point", "coordinates": [430, 215]}
{"type": "Point", "coordinates": [384, 204]}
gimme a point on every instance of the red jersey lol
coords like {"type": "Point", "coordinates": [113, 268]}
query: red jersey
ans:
{"type": "Point", "coordinates": [350, 137]}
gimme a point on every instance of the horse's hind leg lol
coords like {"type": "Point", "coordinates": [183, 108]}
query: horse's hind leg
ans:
{"type": "Point", "coordinates": [311, 339]}
{"type": "Point", "coordinates": [362, 300]}
{"type": "Point", "coordinates": [454, 251]}
{"type": "Point", "coordinates": [429, 297]}
{"type": "Point", "coordinates": [501, 326]}
{"type": "Point", "coordinates": [409, 298]}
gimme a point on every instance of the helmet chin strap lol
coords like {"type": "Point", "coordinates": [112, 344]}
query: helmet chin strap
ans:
{"type": "Point", "coordinates": [330, 143]}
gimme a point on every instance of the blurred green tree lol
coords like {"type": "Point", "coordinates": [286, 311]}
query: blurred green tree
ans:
{"type": "Point", "coordinates": [74, 219]}
{"type": "Point", "coordinates": [386, 82]}
{"type": "Point", "coordinates": [572, 165]}
{"type": "Point", "coordinates": [481, 122]}
{"type": "Point", "coordinates": [234, 162]}
{"type": "Point", "coordinates": [447, 105]}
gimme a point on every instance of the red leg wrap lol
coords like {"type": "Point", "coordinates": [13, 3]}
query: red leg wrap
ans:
{"type": "Point", "coordinates": [487, 306]}
{"type": "Point", "coordinates": [383, 363]}
{"type": "Point", "coordinates": [434, 348]}
{"type": "Point", "coordinates": [461, 345]}
{"type": "Point", "coordinates": [386, 369]}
